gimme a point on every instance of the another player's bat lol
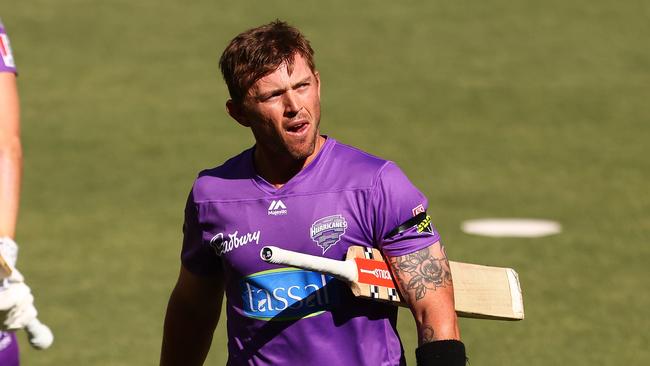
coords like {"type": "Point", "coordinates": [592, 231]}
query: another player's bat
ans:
{"type": "Point", "coordinates": [480, 291]}
{"type": "Point", "coordinates": [5, 268]}
{"type": "Point", "coordinates": [39, 335]}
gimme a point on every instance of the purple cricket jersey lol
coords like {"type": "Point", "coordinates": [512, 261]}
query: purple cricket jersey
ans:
{"type": "Point", "coordinates": [8, 349]}
{"type": "Point", "coordinates": [286, 316]}
{"type": "Point", "coordinates": [7, 63]}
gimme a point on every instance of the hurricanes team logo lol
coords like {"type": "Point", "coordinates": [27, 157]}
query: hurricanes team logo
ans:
{"type": "Point", "coordinates": [327, 231]}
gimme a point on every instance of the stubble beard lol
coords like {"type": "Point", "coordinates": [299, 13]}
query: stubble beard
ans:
{"type": "Point", "coordinates": [303, 150]}
{"type": "Point", "coordinates": [288, 150]}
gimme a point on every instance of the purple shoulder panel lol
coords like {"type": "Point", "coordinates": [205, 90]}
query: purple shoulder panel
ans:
{"type": "Point", "coordinates": [7, 63]}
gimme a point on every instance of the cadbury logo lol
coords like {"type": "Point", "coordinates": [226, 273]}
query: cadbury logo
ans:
{"type": "Point", "coordinates": [223, 245]}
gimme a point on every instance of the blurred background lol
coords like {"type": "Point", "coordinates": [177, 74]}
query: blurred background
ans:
{"type": "Point", "coordinates": [493, 109]}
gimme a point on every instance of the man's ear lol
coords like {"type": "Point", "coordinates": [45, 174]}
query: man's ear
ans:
{"type": "Point", "coordinates": [317, 75]}
{"type": "Point", "coordinates": [235, 110]}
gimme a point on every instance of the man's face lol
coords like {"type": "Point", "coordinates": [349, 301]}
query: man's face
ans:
{"type": "Point", "coordinates": [283, 111]}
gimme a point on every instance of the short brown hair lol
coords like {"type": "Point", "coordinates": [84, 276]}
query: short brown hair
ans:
{"type": "Point", "coordinates": [257, 52]}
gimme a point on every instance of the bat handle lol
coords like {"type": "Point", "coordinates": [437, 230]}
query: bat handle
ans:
{"type": "Point", "coordinates": [345, 270]}
{"type": "Point", "coordinates": [40, 336]}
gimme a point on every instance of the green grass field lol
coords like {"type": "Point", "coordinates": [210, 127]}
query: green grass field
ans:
{"type": "Point", "coordinates": [494, 109]}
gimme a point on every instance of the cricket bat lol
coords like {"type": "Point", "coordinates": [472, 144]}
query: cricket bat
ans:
{"type": "Point", "coordinates": [39, 335]}
{"type": "Point", "coordinates": [482, 292]}
{"type": "Point", "coordinates": [5, 268]}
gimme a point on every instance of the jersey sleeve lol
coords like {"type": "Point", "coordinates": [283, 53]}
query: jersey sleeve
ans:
{"type": "Point", "coordinates": [7, 63]}
{"type": "Point", "coordinates": [402, 225]}
{"type": "Point", "coordinates": [196, 256]}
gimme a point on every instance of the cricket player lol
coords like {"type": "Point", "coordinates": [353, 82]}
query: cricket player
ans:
{"type": "Point", "coordinates": [303, 191]}
{"type": "Point", "coordinates": [16, 300]}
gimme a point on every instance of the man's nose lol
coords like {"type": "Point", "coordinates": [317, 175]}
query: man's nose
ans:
{"type": "Point", "coordinates": [291, 103]}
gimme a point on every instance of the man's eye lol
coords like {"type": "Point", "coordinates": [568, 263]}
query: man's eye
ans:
{"type": "Point", "coordinates": [271, 96]}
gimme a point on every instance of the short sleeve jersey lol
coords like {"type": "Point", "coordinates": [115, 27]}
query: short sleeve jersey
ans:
{"type": "Point", "coordinates": [286, 316]}
{"type": "Point", "coordinates": [7, 63]}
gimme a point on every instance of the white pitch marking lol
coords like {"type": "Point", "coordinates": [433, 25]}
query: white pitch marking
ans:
{"type": "Point", "coordinates": [511, 227]}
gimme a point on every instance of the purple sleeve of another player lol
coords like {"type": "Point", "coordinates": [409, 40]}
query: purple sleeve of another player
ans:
{"type": "Point", "coordinates": [7, 63]}
{"type": "Point", "coordinates": [196, 255]}
{"type": "Point", "coordinates": [396, 202]}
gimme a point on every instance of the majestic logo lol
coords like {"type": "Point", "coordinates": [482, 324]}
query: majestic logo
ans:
{"type": "Point", "coordinates": [287, 294]}
{"type": "Point", "coordinates": [327, 231]}
{"type": "Point", "coordinates": [223, 245]}
{"type": "Point", "coordinates": [277, 208]}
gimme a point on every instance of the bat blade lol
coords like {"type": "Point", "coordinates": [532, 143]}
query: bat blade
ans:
{"type": "Point", "coordinates": [481, 292]}
{"type": "Point", "coordinates": [487, 292]}
{"type": "Point", "coordinates": [5, 268]}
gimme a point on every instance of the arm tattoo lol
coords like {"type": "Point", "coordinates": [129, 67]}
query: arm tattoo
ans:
{"type": "Point", "coordinates": [422, 271]}
{"type": "Point", "coordinates": [426, 335]}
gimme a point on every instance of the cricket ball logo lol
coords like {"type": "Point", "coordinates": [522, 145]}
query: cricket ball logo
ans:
{"type": "Point", "coordinates": [327, 231]}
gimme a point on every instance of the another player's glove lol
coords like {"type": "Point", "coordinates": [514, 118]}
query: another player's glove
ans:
{"type": "Point", "coordinates": [16, 300]}
{"type": "Point", "coordinates": [16, 306]}
{"type": "Point", "coordinates": [17, 309]}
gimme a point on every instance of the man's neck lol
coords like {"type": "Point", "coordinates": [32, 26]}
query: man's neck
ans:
{"type": "Point", "coordinates": [278, 169]}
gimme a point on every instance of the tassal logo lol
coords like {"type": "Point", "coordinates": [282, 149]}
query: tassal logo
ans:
{"type": "Point", "coordinates": [287, 294]}
{"type": "Point", "coordinates": [277, 208]}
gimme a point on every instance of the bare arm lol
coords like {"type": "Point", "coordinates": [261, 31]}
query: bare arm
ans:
{"type": "Point", "coordinates": [10, 154]}
{"type": "Point", "coordinates": [424, 279]}
{"type": "Point", "coordinates": [192, 315]}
